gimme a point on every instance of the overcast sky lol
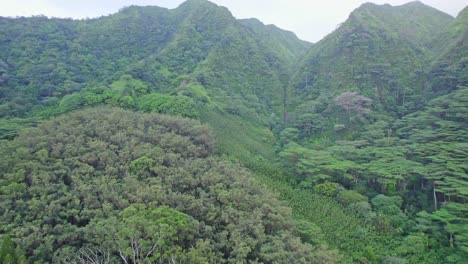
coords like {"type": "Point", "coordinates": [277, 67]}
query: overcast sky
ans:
{"type": "Point", "coordinates": [310, 19]}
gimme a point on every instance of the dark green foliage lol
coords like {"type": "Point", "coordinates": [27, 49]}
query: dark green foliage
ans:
{"type": "Point", "coordinates": [316, 166]}
{"type": "Point", "coordinates": [390, 207]}
{"type": "Point", "coordinates": [388, 90]}
{"type": "Point", "coordinates": [107, 178]}
{"type": "Point", "coordinates": [141, 50]}
{"type": "Point", "coordinates": [449, 69]}
{"type": "Point", "coordinates": [285, 41]}
{"type": "Point", "coordinates": [370, 156]}
{"type": "Point", "coordinates": [380, 52]}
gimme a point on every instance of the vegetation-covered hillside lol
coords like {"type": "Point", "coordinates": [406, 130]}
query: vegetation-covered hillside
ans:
{"type": "Point", "coordinates": [148, 49]}
{"type": "Point", "coordinates": [380, 52]}
{"type": "Point", "coordinates": [361, 135]}
{"type": "Point", "coordinates": [385, 117]}
{"type": "Point", "coordinates": [449, 70]}
{"type": "Point", "coordinates": [129, 185]}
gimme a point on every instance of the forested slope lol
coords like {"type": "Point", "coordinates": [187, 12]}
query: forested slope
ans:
{"type": "Point", "coordinates": [449, 69]}
{"type": "Point", "coordinates": [168, 50]}
{"type": "Point", "coordinates": [111, 181]}
{"type": "Point", "coordinates": [382, 129]}
{"type": "Point", "coordinates": [362, 135]}
{"type": "Point", "coordinates": [380, 52]}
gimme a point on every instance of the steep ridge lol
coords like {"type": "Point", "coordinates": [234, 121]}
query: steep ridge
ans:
{"type": "Point", "coordinates": [379, 52]}
{"type": "Point", "coordinates": [449, 69]}
{"type": "Point", "coordinates": [377, 109]}
{"type": "Point", "coordinates": [272, 36]}
{"type": "Point", "coordinates": [198, 42]}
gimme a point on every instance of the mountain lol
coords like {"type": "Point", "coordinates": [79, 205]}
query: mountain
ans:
{"type": "Point", "coordinates": [378, 107]}
{"type": "Point", "coordinates": [271, 36]}
{"type": "Point", "coordinates": [196, 43]}
{"type": "Point", "coordinates": [449, 69]}
{"type": "Point", "coordinates": [380, 52]}
{"type": "Point", "coordinates": [361, 135]}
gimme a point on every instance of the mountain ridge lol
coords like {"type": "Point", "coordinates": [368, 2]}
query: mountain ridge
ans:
{"type": "Point", "coordinates": [374, 36]}
{"type": "Point", "coordinates": [180, 39]}
{"type": "Point", "coordinates": [361, 134]}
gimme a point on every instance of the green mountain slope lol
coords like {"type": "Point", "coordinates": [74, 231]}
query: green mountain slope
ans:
{"type": "Point", "coordinates": [380, 52]}
{"type": "Point", "coordinates": [101, 185]}
{"type": "Point", "coordinates": [272, 37]}
{"type": "Point", "coordinates": [196, 43]}
{"type": "Point", "coordinates": [377, 110]}
{"type": "Point", "coordinates": [449, 69]}
{"type": "Point", "coordinates": [362, 135]}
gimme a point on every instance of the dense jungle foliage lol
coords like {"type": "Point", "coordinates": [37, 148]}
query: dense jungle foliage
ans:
{"type": "Point", "coordinates": [185, 135]}
{"type": "Point", "coordinates": [128, 186]}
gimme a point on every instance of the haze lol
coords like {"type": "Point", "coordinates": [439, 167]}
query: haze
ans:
{"type": "Point", "coordinates": [310, 20]}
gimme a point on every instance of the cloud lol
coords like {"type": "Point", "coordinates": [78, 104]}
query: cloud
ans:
{"type": "Point", "coordinates": [29, 8]}
{"type": "Point", "coordinates": [312, 20]}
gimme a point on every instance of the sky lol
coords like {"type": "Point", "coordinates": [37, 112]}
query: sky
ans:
{"type": "Point", "coordinates": [311, 20]}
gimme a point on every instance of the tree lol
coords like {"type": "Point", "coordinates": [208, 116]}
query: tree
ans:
{"type": "Point", "coordinates": [390, 207]}
{"type": "Point", "coordinates": [314, 166]}
{"type": "Point", "coordinates": [352, 102]}
{"type": "Point", "coordinates": [138, 187]}
{"type": "Point", "coordinates": [348, 197]}
{"type": "Point", "coordinates": [9, 253]}
{"type": "Point", "coordinates": [141, 235]}
{"type": "Point", "coordinates": [167, 104]}
{"type": "Point", "coordinates": [288, 135]}
{"type": "Point", "coordinates": [454, 220]}
{"type": "Point", "coordinates": [92, 256]}
{"type": "Point", "coordinates": [309, 124]}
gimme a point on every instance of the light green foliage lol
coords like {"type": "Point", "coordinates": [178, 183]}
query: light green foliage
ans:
{"type": "Point", "coordinates": [10, 253]}
{"type": "Point", "coordinates": [360, 57]}
{"type": "Point", "coordinates": [421, 160]}
{"type": "Point", "coordinates": [327, 188]}
{"type": "Point", "coordinates": [198, 50]}
{"type": "Point", "coordinates": [362, 209]}
{"type": "Point", "coordinates": [348, 197]}
{"type": "Point", "coordinates": [196, 92]}
{"type": "Point", "coordinates": [309, 232]}
{"type": "Point", "coordinates": [448, 71]}
{"type": "Point", "coordinates": [341, 229]}
{"type": "Point", "coordinates": [166, 104]}
{"type": "Point", "coordinates": [391, 171]}
{"type": "Point", "coordinates": [414, 243]}
{"type": "Point", "coordinates": [453, 219]}
{"type": "Point", "coordinates": [143, 234]}
{"type": "Point", "coordinates": [129, 86]}
{"type": "Point", "coordinates": [393, 260]}
{"type": "Point", "coordinates": [315, 166]}
{"type": "Point", "coordinates": [10, 126]}
{"type": "Point", "coordinates": [410, 145]}
{"type": "Point", "coordinates": [288, 135]}
{"type": "Point", "coordinates": [390, 207]}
